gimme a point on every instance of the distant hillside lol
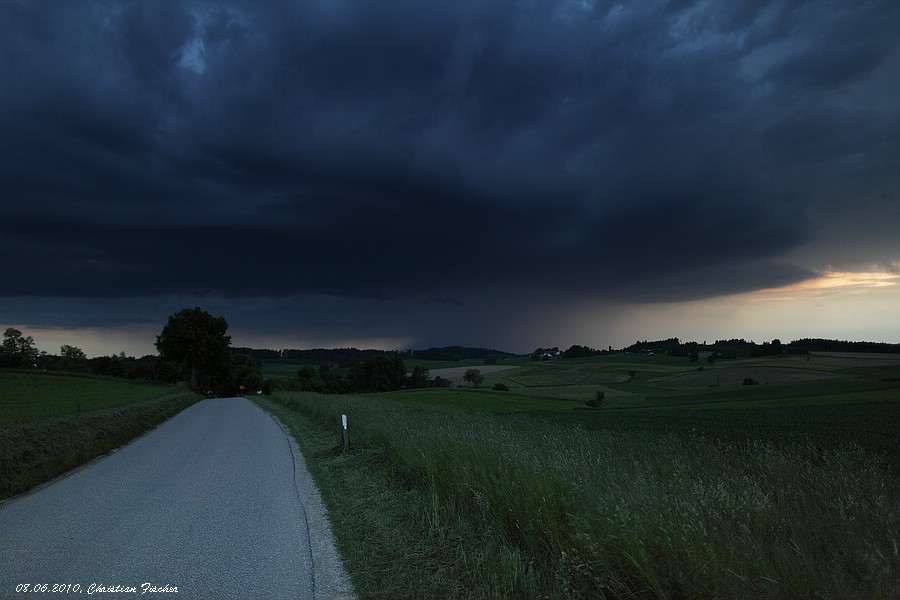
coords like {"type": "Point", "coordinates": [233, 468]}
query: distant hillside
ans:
{"type": "Point", "coordinates": [740, 347]}
{"type": "Point", "coordinates": [672, 346]}
{"type": "Point", "coordinates": [343, 356]}
{"type": "Point", "coordinates": [314, 355]}
{"type": "Point", "coordinates": [820, 345]}
{"type": "Point", "coordinates": [457, 353]}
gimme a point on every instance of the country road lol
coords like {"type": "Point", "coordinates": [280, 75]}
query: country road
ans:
{"type": "Point", "coordinates": [216, 502]}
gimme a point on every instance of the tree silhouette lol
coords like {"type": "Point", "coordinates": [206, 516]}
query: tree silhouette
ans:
{"type": "Point", "coordinates": [196, 340]}
{"type": "Point", "coordinates": [473, 377]}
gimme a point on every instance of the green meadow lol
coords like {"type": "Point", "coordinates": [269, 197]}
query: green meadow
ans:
{"type": "Point", "coordinates": [32, 396]}
{"type": "Point", "coordinates": [52, 423]}
{"type": "Point", "coordinates": [684, 483]}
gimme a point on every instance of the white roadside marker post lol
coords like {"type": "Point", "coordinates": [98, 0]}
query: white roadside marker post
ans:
{"type": "Point", "coordinates": [344, 431]}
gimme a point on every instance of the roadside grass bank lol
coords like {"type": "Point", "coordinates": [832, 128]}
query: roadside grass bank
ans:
{"type": "Point", "coordinates": [438, 502]}
{"type": "Point", "coordinates": [381, 524]}
{"type": "Point", "coordinates": [35, 449]}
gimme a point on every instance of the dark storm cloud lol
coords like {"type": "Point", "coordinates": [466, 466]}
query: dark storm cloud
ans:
{"type": "Point", "coordinates": [423, 149]}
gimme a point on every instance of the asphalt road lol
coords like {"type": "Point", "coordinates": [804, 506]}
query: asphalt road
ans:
{"type": "Point", "coordinates": [216, 502]}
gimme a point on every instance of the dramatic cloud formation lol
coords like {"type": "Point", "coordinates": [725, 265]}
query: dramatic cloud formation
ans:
{"type": "Point", "coordinates": [435, 172]}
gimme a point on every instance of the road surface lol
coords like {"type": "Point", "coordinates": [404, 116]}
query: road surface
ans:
{"type": "Point", "coordinates": [216, 502]}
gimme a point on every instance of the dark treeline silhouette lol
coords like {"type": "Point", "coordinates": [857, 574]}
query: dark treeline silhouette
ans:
{"type": "Point", "coordinates": [333, 356]}
{"type": "Point", "coordinates": [734, 348]}
{"type": "Point", "coordinates": [349, 356]}
{"type": "Point", "coordinates": [379, 373]}
{"type": "Point", "coordinates": [822, 345]}
{"type": "Point", "coordinates": [457, 353]}
{"type": "Point", "coordinates": [668, 346]}
{"type": "Point", "coordinates": [149, 367]}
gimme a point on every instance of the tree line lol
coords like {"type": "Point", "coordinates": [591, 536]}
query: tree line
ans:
{"type": "Point", "coordinates": [719, 349]}
{"type": "Point", "coordinates": [194, 346]}
{"type": "Point", "coordinates": [344, 357]}
{"type": "Point", "coordinates": [333, 356]}
{"type": "Point", "coordinates": [18, 351]}
{"type": "Point", "coordinates": [375, 374]}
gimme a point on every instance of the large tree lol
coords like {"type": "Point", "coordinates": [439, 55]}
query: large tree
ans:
{"type": "Point", "coordinates": [196, 340]}
{"type": "Point", "coordinates": [473, 377]}
{"type": "Point", "coordinates": [245, 374]}
{"type": "Point", "coordinates": [419, 377]}
{"type": "Point", "coordinates": [72, 358]}
{"type": "Point", "coordinates": [17, 350]}
{"type": "Point", "coordinates": [378, 374]}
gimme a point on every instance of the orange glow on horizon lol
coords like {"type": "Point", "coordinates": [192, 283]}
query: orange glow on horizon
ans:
{"type": "Point", "coordinates": [828, 280]}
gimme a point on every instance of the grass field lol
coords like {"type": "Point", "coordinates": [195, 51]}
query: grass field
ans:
{"type": "Point", "coordinates": [480, 400]}
{"type": "Point", "coordinates": [52, 423]}
{"type": "Point", "coordinates": [672, 489]}
{"type": "Point", "coordinates": [29, 396]}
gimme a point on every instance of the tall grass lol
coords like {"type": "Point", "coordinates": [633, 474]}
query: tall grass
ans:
{"type": "Point", "coordinates": [537, 509]}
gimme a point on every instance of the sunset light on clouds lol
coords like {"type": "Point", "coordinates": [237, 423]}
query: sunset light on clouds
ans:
{"type": "Point", "coordinates": [840, 279]}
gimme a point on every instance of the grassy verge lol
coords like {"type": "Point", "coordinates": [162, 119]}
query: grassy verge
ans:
{"type": "Point", "coordinates": [384, 525]}
{"type": "Point", "coordinates": [34, 450]}
{"type": "Point", "coordinates": [436, 502]}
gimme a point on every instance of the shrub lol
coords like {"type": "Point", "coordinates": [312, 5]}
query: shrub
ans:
{"type": "Point", "coordinates": [501, 387]}
{"type": "Point", "coordinates": [473, 377]}
{"type": "Point", "coordinates": [750, 381]}
{"type": "Point", "coordinates": [441, 382]}
{"type": "Point", "coordinates": [597, 400]}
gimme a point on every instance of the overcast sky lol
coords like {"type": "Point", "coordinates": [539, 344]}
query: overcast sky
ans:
{"type": "Point", "coordinates": [509, 174]}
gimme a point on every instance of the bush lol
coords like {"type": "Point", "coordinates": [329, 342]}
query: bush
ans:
{"type": "Point", "coordinates": [473, 377]}
{"type": "Point", "coordinates": [501, 387]}
{"type": "Point", "coordinates": [440, 382]}
{"type": "Point", "coordinates": [750, 381]}
{"type": "Point", "coordinates": [597, 400]}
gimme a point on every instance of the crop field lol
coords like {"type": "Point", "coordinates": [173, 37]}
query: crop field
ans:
{"type": "Point", "coordinates": [684, 483]}
{"type": "Point", "coordinates": [629, 381]}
